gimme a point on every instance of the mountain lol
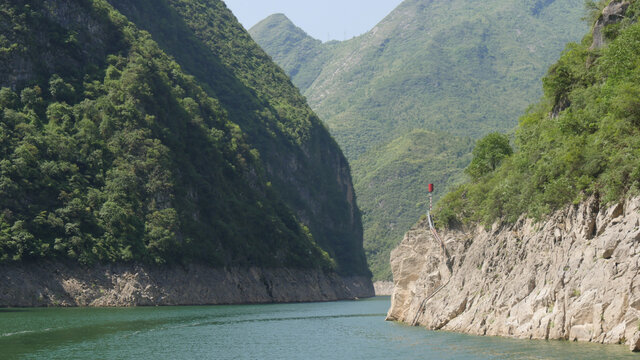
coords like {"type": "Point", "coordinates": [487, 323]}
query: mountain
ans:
{"type": "Point", "coordinates": [160, 133]}
{"type": "Point", "coordinates": [302, 56]}
{"type": "Point", "coordinates": [456, 68]}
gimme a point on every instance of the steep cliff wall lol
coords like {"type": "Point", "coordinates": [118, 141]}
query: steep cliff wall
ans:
{"type": "Point", "coordinates": [383, 288]}
{"type": "Point", "coordinates": [572, 276]}
{"type": "Point", "coordinates": [57, 284]}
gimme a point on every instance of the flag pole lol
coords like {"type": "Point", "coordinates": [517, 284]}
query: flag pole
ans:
{"type": "Point", "coordinates": [430, 205]}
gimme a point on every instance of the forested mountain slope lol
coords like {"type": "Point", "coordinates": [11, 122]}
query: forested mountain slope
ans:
{"type": "Point", "coordinates": [183, 143]}
{"type": "Point", "coordinates": [465, 67]}
{"type": "Point", "coordinates": [581, 140]}
{"type": "Point", "coordinates": [459, 68]}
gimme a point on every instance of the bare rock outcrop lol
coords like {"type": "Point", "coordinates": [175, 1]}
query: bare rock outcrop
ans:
{"type": "Point", "coordinates": [58, 284]}
{"type": "Point", "coordinates": [573, 276]}
{"type": "Point", "coordinates": [611, 14]}
{"type": "Point", "coordinates": [383, 288]}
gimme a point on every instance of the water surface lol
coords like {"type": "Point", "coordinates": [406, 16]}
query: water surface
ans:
{"type": "Point", "coordinates": [335, 330]}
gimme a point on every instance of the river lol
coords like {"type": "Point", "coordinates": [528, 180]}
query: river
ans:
{"type": "Point", "coordinates": [333, 330]}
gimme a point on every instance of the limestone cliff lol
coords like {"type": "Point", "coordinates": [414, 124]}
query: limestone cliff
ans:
{"type": "Point", "coordinates": [383, 288]}
{"type": "Point", "coordinates": [572, 276]}
{"type": "Point", "coordinates": [58, 284]}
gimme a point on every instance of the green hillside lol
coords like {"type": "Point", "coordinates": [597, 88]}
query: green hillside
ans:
{"type": "Point", "coordinates": [462, 68]}
{"type": "Point", "coordinates": [582, 139]}
{"type": "Point", "coordinates": [182, 143]}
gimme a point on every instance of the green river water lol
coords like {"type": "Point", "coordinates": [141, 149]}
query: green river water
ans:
{"type": "Point", "coordinates": [333, 330]}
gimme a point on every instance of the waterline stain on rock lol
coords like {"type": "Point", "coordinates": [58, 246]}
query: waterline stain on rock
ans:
{"type": "Point", "coordinates": [58, 284]}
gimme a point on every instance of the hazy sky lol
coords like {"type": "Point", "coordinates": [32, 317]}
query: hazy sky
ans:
{"type": "Point", "coordinates": [324, 19]}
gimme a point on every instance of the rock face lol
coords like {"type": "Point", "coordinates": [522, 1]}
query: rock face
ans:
{"type": "Point", "coordinates": [611, 14]}
{"type": "Point", "coordinates": [573, 276]}
{"type": "Point", "coordinates": [56, 284]}
{"type": "Point", "coordinates": [383, 288]}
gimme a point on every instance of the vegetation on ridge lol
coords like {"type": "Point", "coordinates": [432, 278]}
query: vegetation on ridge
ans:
{"type": "Point", "coordinates": [303, 163]}
{"type": "Point", "coordinates": [582, 139]}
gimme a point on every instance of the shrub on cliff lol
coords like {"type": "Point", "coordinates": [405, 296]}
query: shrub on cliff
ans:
{"type": "Point", "coordinates": [488, 154]}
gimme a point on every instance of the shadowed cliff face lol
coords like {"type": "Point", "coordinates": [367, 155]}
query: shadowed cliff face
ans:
{"type": "Point", "coordinates": [303, 162]}
{"type": "Point", "coordinates": [573, 277]}
{"type": "Point", "coordinates": [23, 63]}
{"type": "Point", "coordinates": [230, 166]}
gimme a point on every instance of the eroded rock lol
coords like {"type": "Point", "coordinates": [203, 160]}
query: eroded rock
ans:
{"type": "Point", "coordinates": [58, 284]}
{"type": "Point", "coordinates": [556, 279]}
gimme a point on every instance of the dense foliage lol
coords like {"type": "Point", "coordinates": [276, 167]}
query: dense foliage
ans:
{"type": "Point", "coordinates": [488, 154]}
{"type": "Point", "coordinates": [111, 152]}
{"type": "Point", "coordinates": [467, 68]}
{"type": "Point", "coordinates": [304, 164]}
{"type": "Point", "coordinates": [582, 139]}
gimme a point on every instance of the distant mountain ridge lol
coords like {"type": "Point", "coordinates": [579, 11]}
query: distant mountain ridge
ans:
{"type": "Point", "coordinates": [300, 55]}
{"type": "Point", "coordinates": [457, 68]}
{"type": "Point", "coordinates": [424, 52]}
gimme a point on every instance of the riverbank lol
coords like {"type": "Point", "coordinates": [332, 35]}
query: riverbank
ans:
{"type": "Point", "coordinates": [572, 276]}
{"type": "Point", "coordinates": [57, 284]}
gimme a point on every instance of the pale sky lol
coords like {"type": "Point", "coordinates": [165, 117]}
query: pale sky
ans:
{"type": "Point", "coordinates": [323, 19]}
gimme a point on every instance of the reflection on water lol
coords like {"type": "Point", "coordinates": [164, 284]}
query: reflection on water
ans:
{"type": "Point", "coordinates": [342, 330]}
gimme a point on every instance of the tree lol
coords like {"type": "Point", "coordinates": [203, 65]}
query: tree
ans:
{"type": "Point", "coordinates": [8, 99]}
{"type": "Point", "coordinates": [488, 154]}
{"type": "Point", "coordinates": [60, 90]}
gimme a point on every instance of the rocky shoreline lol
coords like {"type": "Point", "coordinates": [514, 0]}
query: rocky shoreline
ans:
{"type": "Point", "coordinates": [573, 276]}
{"type": "Point", "coordinates": [59, 284]}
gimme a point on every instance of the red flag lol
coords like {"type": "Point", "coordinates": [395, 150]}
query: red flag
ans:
{"type": "Point", "coordinates": [430, 188]}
